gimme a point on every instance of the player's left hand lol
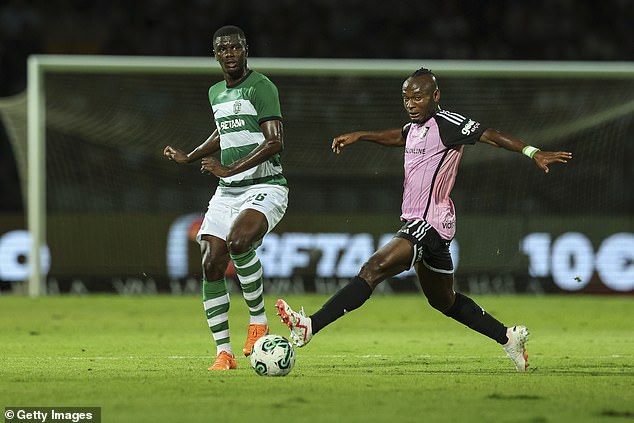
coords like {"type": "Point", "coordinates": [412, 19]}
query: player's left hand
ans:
{"type": "Point", "coordinates": [210, 165]}
{"type": "Point", "coordinates": [544, 158]}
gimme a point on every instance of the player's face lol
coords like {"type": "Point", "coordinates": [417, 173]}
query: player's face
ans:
{"type": "Point", "coordinates": [420, 97]}
{"type": "Point", "coordinates": [231, 52]}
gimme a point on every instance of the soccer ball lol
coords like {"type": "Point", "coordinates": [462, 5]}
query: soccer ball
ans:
{"type": "Point", "coordinates": [272, 355]}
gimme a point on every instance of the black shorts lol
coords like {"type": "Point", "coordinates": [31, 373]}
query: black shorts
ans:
{"type": "Point", "coordinates": [429, 247]}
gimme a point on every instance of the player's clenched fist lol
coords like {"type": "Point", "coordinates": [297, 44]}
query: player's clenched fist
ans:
{"type": "Point", "coordinates": [176, 155]}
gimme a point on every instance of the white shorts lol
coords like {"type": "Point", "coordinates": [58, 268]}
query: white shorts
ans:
{"type": "Point", "coordinates": [228, 202]}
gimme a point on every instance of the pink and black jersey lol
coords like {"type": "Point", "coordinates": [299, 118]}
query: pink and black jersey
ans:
{"type": "Point", "coordinates": [432, 152]}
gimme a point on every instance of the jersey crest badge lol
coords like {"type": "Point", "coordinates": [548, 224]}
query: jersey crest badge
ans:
{"type": "Point", "coordinates": [423, 132]}
{"type": "Point", "coordinates": [237, 106]}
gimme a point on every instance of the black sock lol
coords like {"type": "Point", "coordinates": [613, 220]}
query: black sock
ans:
{"type": "Point", "coordinates": [348, 298]}
{"type": "Point", "coordinates": [467, 312]}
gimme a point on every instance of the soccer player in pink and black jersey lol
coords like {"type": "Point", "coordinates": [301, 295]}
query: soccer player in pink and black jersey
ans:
{"type": "Point", "coordinates": [433, 141]}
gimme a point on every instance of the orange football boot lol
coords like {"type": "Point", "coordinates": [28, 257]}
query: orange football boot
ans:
{"type": "Point", "coordinates": [255, 332]}
{"type": "Point", "coordinates": [224, 361]}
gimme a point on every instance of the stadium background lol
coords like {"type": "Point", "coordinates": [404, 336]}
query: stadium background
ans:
{"type": "Point", "coordinates": [355, 196]}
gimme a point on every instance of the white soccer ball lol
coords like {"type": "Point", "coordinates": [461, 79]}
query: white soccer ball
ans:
{"type": "Point", "coordinates": [272, 355]}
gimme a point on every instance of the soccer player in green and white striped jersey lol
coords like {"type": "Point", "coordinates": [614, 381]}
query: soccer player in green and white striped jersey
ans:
{"type": "Point", "coordinates": [252, 193]}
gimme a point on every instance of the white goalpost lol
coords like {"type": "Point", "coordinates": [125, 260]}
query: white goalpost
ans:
{"type": "Point", "coordinates": [39, 66]}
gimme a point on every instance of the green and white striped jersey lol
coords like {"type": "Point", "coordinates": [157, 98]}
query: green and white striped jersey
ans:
{"type": "Point", "coordinates": [238, 112]}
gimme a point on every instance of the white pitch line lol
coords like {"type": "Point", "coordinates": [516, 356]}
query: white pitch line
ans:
{"type": "Point", "coordinates": [369, 356]}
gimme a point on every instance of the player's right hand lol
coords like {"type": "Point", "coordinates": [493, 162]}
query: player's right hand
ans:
{"type": "Point", "coordinates": [544, 158]}
{"type": "Point", "coordinates": [342, 140]}
{"type": "Point", "coordinates": [174, 154]}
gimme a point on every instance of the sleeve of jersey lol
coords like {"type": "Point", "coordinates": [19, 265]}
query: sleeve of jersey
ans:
{"type": "Point", "coordinates": [456, 129]}
{"type": "Point", "coordinates": [267, 102]}
{"type": "Point", "coordinates": [405, 130]}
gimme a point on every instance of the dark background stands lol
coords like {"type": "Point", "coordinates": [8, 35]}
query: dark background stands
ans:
{"type": "Point", "coordinates": [453, 29]}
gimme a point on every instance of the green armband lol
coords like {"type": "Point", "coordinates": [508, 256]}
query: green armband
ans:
{"type": "Point", "coordinates": [529, 151]}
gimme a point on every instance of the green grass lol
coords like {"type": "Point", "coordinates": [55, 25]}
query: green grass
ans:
{"type": "Point", "coordinates": [145, 359]}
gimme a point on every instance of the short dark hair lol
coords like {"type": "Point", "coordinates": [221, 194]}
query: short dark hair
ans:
{"type": "Point", "coordinates": [229, 30]}
{"type": "Point", "coordinates": [425, 72]}
{"type": "Point", "coordinates": [421, 72]}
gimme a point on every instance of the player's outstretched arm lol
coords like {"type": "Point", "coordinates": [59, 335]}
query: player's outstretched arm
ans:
{"type": "Point", "coordinates": [389, 137]}
{"type": "Point", "coordinates": [209, 146]}
{"type": "Point", "coordinates": [541, 158]}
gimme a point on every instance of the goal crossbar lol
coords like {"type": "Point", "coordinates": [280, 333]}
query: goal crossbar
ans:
{"type": "Point", "coordinates": [38, 65]}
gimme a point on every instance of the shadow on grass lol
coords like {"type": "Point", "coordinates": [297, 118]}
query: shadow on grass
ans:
{"type": "Point", "coordinates": [614, 413]}
{"type": "Point", "coordinates": [388, 366]}
{"type": "Point", "coordinates": [497, 396]}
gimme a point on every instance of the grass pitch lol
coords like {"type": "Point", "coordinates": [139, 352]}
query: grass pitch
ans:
{"type": "Point", "coordinates": [145, 359]}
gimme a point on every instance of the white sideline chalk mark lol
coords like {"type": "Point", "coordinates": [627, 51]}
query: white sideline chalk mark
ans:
{"type": "Point", "coordinates": [418, 357]}
{"type": "Point", "coordinates": [470, 357]}
{"type": "Point", "coordinates": [130, 357]}
{"type": "Point", "coordinates": [180, 357]}
{"type": "Point", "coordinates": [369, 356]}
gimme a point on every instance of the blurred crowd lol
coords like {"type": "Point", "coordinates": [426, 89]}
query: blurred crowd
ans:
{"type": "Point", "coordinates": [422, 29]}
{"type": "Point", "coordinates": [452, 29]}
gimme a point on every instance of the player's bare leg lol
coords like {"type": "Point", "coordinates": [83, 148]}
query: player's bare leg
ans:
{"type": "Point", "coordinates": [438, 288]}
{"type": "Point", "coordinates": [249, 227]}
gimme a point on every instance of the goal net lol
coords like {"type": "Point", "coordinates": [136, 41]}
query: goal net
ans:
{"type": "Point", "coordinates": [107, 200]}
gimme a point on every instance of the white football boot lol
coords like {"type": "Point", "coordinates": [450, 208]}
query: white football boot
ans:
{"type": "Point", "coordinates": [516, 346]}
{"type": "Point", "coordinates": [299, 323]}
